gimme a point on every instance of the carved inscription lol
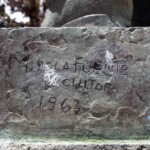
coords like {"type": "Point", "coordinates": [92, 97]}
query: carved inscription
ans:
{"type": "Point", "coordinates": [75, 85]}
{"type": "Point", "coordinates": [21, 60]}
{"type": "Point", "coordinates": [87, 84]}
{"type": "Point", "coordinates": [66, 105]}
{"type": "Point", "coordinates": [116, 68]}
{"type": "Point", "coordinates": [54, 77]}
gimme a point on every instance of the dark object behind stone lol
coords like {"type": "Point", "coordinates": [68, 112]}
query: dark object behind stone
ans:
{"type": "Point", "coordinates": [141, 13]}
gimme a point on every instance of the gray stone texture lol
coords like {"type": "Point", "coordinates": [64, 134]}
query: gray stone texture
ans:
{"type": "Point", "coordinates": [64, 82]}
{"type": "Point", "coordinates": [64, 11]}
{"type": "Point", "coordinates": [62, 146]}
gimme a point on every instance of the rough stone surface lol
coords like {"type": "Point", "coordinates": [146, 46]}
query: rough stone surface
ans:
{"type": "Point", "coordinates": [87, 82]}
{"type": "Point", "coordinates": [64, 11]}
{"type": "Point", "coordinates": [69, 146]}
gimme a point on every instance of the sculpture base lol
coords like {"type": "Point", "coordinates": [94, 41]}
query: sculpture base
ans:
{"type": "Point", "coordinates": [65, 145]}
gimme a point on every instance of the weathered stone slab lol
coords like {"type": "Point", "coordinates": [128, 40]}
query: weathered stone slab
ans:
{"type": "Point", "coordinates": [63, 145]}
{"type": "Point", "coordinates": [89, 82]}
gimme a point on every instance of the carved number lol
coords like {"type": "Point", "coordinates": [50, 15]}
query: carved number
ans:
{"type": "Point", "coordinates": [64, 107]}
{"type": "Point", "coordinates": [77, 107]}
{"type": "Point", "coordinates": [52, 101]}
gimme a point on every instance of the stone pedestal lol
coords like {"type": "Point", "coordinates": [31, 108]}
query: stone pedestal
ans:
{"type": "Point", "coordinates": [63, 145]}
{"type": "Point", "coordinates": [75, 82]}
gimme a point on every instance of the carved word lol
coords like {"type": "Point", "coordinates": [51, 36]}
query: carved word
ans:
{"type": "Point", "coordinates": [117, 67]}
{"type": "Point", "coordinates": [87, 84]}
{"type": "Point", "coordinates": [78, 65]}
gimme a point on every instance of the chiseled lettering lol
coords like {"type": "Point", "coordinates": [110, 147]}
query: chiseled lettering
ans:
{"type": "Point", "coordinates": [99, 86]}
{"type": "Point", "coordinates": [108, 88]}
{"type": "Point", "coordinates": [66, 66]}
{"type": "Point", "coordinates": [75, 83]}
{"type": "Point", "coordinates": [87, 69]}
{"type": "Point", "coordinates": [40, 65]}
{"type": "Point", "coordinates": [52, 102]}
{"type": "Point", "coordinates": [77, 64]}
{"type": "Point", "coordinates": [12, 56]}
{"type": "Point", "coordinates": [124, 69]}
{"type": "Point", "coordinates": [66, 83]}
{"type": "Point", "coordinates": [91, 81]}
{"type": "Point", "coordinates": [65, 107]}
{"type": "Point", "coordinates": [56, 65]}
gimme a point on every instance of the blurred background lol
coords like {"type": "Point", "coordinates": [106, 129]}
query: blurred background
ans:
{"type": "Point", "coordinates": [22, 13]}
{"type": "Point", "coordinates": [31, 13]}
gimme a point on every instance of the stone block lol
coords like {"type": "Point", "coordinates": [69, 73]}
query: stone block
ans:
{"type": "Point", "coordinates": [65, 82]}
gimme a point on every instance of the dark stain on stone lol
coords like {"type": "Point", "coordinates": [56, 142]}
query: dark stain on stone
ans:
{"type": "Point", "coordinates": [99, 115]}
{"type": "Point", "coordinates": [84, 30]}
{"type": "Point", "coordinates": [57, 41]}
{"type": "Point", "coordinates": [31, 44]}
{"type": "Point", "coordinates": [96, 65]}
{"type": "Point", "coordinates": [25, 59]}
{"type": "Point", "coordinates": [102, 37]}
